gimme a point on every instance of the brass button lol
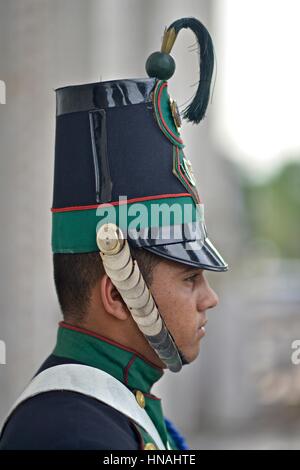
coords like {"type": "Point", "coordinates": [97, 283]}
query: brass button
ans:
{"type": "Point", "coordinates": [150, 446]}
{"type": "Point", "coordinates": [140, 398]}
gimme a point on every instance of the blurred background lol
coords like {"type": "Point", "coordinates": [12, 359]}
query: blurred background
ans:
{"type": "Point", "coordinates": [243, 391]}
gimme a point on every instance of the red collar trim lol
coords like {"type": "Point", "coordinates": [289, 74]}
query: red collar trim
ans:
{"type": "Point", "coordinates": [63, 324]}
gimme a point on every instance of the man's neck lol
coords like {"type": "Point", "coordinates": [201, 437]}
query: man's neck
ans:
{"type": "Point", "coordinates": [127, 334]}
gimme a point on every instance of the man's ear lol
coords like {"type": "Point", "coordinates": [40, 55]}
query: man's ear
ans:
{"type": "Point", "coordinates": [112, 300]}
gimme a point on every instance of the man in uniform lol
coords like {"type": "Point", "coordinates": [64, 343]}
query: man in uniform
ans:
{"type": "Point", "coordinates": [130, 250]}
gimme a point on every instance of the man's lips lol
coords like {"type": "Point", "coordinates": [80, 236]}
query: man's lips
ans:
{"type": "Point", "coordinates": [201, 328]}
{"type": "Point", "coordinates": [202, 325]}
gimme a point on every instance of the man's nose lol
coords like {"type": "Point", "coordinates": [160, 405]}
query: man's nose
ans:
{"type": "Point", "coordinates": [210, 299]}
{"type": "Point", "coordinates": [214, 299]}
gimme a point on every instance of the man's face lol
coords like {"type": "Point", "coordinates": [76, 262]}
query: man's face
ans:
{"type": "Point", "coordinates": [183, 295]}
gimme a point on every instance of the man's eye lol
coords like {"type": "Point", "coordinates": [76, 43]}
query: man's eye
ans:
{"type": "Point", "coordinates": [192, 278]}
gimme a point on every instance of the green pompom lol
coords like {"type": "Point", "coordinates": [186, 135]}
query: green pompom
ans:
{"type": "Point", "coordinates": [160, 65]}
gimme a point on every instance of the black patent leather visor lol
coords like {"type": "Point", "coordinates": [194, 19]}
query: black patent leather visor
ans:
{"type": "Point", "coordinates": [195, 253]}
{"type": "Point", "coordinates": [191, 248]}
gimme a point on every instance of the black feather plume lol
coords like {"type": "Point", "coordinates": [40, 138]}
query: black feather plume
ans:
{"type": "Point", "coordinates": [195, 111]}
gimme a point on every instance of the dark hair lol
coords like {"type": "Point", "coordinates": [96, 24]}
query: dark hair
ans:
{"type": "Point", "coordinates": [76, 274]}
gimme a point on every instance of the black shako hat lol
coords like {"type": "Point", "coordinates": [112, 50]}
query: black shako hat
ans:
{"type": "Point", "coordinates": [119, 157]}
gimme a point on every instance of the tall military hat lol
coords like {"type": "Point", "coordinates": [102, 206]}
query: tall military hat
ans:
{"type": "Point", "coordinates": [122, 179]}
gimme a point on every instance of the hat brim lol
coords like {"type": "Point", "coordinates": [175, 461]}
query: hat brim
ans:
{"type": "Point", "coordinates": [197, 253]}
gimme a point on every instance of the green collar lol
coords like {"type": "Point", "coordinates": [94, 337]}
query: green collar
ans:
{"type": "Point", "coordinates": [126, 365]}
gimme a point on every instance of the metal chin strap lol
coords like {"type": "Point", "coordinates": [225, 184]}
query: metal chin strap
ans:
{"type": "Point", "coordinates": [128, 280]}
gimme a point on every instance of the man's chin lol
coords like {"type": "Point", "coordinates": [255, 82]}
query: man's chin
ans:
{"type": "Point", "coordinates": [189, 356]}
